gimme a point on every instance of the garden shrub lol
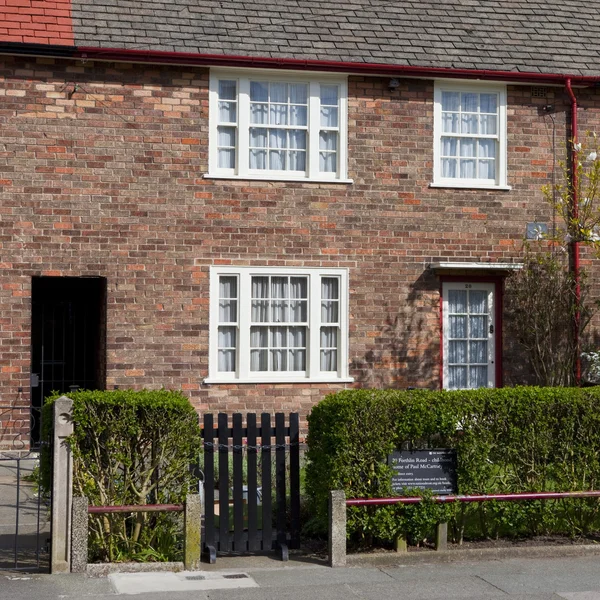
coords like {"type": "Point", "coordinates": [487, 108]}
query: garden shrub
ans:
{"type": "Point", "coordinates": [521, 439]}
{"type": "Point", "coordinates": [131, 447]}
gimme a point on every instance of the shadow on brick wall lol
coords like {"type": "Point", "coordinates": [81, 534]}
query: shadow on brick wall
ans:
{"type": "Point", "coordinates": [405, 353]}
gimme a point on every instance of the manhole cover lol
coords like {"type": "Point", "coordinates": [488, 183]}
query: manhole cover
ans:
{"type": "Point", "coordinates": [236, 576]}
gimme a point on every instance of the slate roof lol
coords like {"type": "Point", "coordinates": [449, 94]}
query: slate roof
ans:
{"type": "Point", "coordinates": [557, 36]}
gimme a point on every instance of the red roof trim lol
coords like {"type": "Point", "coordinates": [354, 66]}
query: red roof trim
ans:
{"type": "Point", "coordinates": [188, 58]}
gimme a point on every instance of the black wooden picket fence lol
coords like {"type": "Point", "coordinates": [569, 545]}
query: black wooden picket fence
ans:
{"type": "Point", "coordinates": [244, 518]}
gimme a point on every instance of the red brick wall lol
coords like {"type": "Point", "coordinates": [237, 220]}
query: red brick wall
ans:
{"type": "Point", "coordinates": [36, 21]}
{"type": "Point", "coordinates": [101, 173]}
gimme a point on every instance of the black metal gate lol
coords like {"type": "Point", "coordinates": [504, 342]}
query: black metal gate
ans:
{"type": "Point", "coordinates": [240, 515]}
{"type": "Point", "coordinates": [24, 514]}
{"type": "Point", "coordinates": [68, 330]}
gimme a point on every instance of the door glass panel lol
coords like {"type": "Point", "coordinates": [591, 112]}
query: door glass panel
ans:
{"type": "Point", "coordinates": [457, 352]}
{"type": "Point", "coordinates": [458, 326]}
{"type": "Point", "coordinates": [478, 326]}
{"type": "Point", "coordinates": [457, 378]}
{"type": "Point", "coordinates": [478, 352]}
{"type": "Point", "coordinates": [478, 377]}
{"type": "Point", "coordinates": [457, 301]}
{"type": "Point", "coordinates": [478, 301]}
{"type": "Point", "coordinates": [467, 337]}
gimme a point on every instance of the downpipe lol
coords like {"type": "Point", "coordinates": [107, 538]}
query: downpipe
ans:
{"type": "Point", "coordinates": [574, 245]}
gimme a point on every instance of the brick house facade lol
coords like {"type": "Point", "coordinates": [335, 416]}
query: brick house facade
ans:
{"type": "Point", "coordinates": [108, 197]}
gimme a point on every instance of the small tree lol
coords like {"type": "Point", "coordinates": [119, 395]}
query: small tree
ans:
{"type": "Point", "coordinates": [576, 200]}
{"type": "Point", "coordinates": [539, 316]}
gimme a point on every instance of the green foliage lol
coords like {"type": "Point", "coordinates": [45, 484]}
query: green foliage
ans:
{"type": "Point", "coordinates": [579, 181]}
{"type": "Point", "coordinates": [521, 439]}
{"type": "Point", "coordinates": [132, 447]}
{"type": "Point", "coordinates": [539, 315]}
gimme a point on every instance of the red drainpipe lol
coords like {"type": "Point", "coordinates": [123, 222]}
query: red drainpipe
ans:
{"type": "Point", "coordinates": [575, 254]}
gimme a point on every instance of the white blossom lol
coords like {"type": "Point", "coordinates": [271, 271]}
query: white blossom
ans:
{"type": "Point", "coordinates": [593, 365]}
{"type": "Point", "coordinates": [577, 147]}
{"type": "Point", "coordinates": [592, 156]}
{"type": "Point", "coordinates": [538, 233]}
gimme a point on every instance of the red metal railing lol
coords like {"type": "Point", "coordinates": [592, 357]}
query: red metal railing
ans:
{"type": "Point", "coordinates": [473, 498]}
{"type": "Point", "coordinates": [135, 508]}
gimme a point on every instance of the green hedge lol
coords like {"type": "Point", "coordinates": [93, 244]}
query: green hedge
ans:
{"type": "Point", "coordinates": [507, 440]}
{"type": "Point", "coordinates": [131, 447]}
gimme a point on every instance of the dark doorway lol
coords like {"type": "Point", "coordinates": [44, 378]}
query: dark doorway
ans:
{"type": "Point", "coordinates": [68, 332]}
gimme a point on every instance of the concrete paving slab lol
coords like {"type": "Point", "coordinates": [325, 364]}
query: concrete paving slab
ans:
{"type": "Point", "coordinates": [318, 576]}
{"type": "Point", "coordinates": [422, 589]}
{"type": "Point", "coordinates": [186, 581]}
{"type": "Point", "coordinates": [432, 571]}
{"type": "Point", "coordinates": [342, 592]}
{"type": "Point", "coordinates": [519, 582]}
{"type": "Point", "coordinates": [581, 596]}
{"type": "Point", "coordinates": [546, 565]}
{"type": "Point", "coordinates": [21, 586]}
{"type": "Point", "coordinates": [542, 596]}
{"type": "Point", "coordinates": [536, 568]}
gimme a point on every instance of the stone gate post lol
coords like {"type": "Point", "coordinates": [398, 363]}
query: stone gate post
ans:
{"type": "Point", "coordinates": [62, 487]}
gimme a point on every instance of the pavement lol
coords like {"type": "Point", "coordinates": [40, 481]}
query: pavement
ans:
{"type": "Point", "coordinates": [261, 578]}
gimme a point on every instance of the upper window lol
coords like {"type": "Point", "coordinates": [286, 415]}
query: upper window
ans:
{"type": "Point", "coordinates": [470, 136]}
{"type": "Point", "coordinates": [274, 127]}
{"type": "Point", "coordinates": [278, 324]}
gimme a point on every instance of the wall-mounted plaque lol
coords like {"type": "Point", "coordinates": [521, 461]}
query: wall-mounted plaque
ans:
{"type": "Point", "coordinates": [433, 470]}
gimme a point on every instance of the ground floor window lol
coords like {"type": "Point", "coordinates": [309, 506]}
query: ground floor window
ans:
{"type": "Point", "coordinates": [278, 324]}
{"type": "Point", "coordinates": [468, 335]}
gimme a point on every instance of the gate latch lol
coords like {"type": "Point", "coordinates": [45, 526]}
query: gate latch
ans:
{"type": "Point", "coordinates": [491, 329]}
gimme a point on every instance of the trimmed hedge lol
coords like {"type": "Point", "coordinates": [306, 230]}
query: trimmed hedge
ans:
{"type": "Point", "coordinates": [507, 440]}
{"type": "Point", "coordinates": [131, 447]}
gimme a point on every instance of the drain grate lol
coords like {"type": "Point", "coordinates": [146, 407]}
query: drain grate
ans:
{"type": "Point", "coordinates": [195, 577]}
{"type": "Point", "coordinates": [236, 576]}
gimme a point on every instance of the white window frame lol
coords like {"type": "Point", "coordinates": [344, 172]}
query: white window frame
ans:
{"type": "Point", "coordinates": [242, 169]}
{"type": "Point", "coordinates": [490, 288]}
{"type": "Point", "coordinates": [500, 182]}
{"type": "Point", "coordinates": [243, 374]}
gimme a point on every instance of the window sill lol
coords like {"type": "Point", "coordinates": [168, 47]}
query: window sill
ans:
{"type": "Point", "coordinates": [219, 380]}
{"type": "Point", "coordinates": [278, 178]}
{"type": "Point", "coordinates": [470, 186]}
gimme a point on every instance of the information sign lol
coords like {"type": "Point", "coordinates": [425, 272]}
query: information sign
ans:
{"type": "Point", "coordinates": [433, 470]}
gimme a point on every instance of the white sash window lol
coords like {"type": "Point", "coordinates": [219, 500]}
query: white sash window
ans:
{"type": "Point", "coordinates": [275, 324]}
{"type": "Point", "coordinates": [268, 125]}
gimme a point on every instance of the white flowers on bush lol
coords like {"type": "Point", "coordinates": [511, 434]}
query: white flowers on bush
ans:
{"type": "Point", "coordinates": [593, 365]}
{"type": "Point", "coordinates": [592, 156]}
